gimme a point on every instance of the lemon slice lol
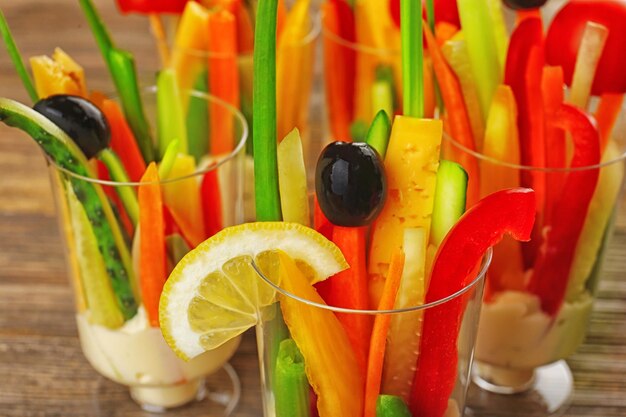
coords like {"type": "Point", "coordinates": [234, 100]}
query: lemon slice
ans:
{"type": "Point", "coordinates": [214, 294]}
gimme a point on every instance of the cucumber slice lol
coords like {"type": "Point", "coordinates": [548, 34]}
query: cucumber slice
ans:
{"type": "Point", "coordinates": [379, 133]}
{"type": "Point", "coordinates": [64, 152]}
{"type": "Point", "coordinates": [449, 203]}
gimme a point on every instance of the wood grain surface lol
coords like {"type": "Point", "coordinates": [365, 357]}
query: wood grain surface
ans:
{"type": "Point", "coordinates": [42, 369]}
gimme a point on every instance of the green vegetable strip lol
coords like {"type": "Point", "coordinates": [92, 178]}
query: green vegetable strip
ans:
{"type": "Point", "coordinates": [291, 387]}
{"type": "Point", "coordinates": [267, 194]}
{"type": "Point", "coordinates": [412, 57]}
{"type": "Point", "coordinates": [198, 120]}
{"type": "Point", "coordinates": [379, 133]}
{"type": "Point", "coordinates": [16, 58]}
{"type": "Point", "coordinates": [358, 130]}
{"type": "Point", "coordinates": [66, 154]}
{"type": "Point", "coordinates": [171, 120]}
{"type": "Point", "coordinates": [391, 406]}
{"type": "Point", "coordinates": [122, 65]}
{"type": "Point", "coordinates": [169, 157]}
{"type": "Point", "coordinates": [99, 30]}
{"type": "Point", "coordinates": [118, 174]}
{"type": "Point", "coordinates": [430, 14]}
{"type": "Point", "coordinates": [449, 200]}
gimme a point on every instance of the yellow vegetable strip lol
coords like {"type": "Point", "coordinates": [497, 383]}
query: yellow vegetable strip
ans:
{"type": "Point", "coordinates": [294, 198]}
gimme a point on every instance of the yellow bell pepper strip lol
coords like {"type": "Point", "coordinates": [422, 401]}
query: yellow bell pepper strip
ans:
{"type": "Point", "coordinates": [183, 199]}
{"type": "Point", "coordinates": [482, 48]}
{"type": "Point", "coordinates": [16, 58]}
{"type": "Point", "coordinates": [482, 226]}
{"type": "Point", "coordinates": [337, 63]}
{"type": "Point", "coordinates": [190, 44]}
{"type": "Point", "coordinates": [456, 114]}
{"type": "Point", "coordinates": [171, 122]}
{"type": "Point", "coordinates": [331, 364]}
{"type": "Point", "coordinates": [380, 333]}
{"type": "Point", "coordinates": [267, 193]}
{"type": "Point", "coordinates": [411, 167]}
{"type": "Point", "coordinates": [502, 144]}
{"type": "Point", "coordinates": [589, 53]}
{"type": "Point", "coordinates": [294, 198]}
{"type": "Point", "coordinates": [606, 116]}
{"type": "Point", "coordinates": [223, 79]}
{"type": "Point", "coordinates": [58, 75]}
{"type": "Point", "coordinates": [412, 58]}
{"type": "Point", "coordinates": [291, 387]}
{"type": "Point", "coordinates": [554, 260]}
{"type": "Point", "coordinates": [152, 257]}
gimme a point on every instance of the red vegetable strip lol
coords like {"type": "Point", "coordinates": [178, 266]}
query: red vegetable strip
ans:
{"type": "Point", "coordinates": [483, 225]}
{"type": "Point", "coordinates": [379, 333]}
{"type": "Point", "coordinates": [551, 272]}
{"type": "Point", "coordinates": [320, 222]}
{"type": "Point", "coordinates": [552, 91]}
{"type": "Point", "coordinates": [456, 112]}
{"type": "Point", "coordinates": [349, 289]}
{"type": "Point", "coordinates": [152, 256]}
{"type": "Point", "coordinates": [211, 200]}
{"type": "Point", "coordinates": [171, 227]}
{"type": "Point", "coordinates": [606, 116]}
{"type": "Point", "coordinates": [223, 79]}
{"type": "Point", "coordinates": [445, 31]}
{"type": "Point", "coordinates": [245, 31]}
{"type": "Point", "coordinates": [151, 6]}
{"type": "Point", "coordinates": [281, 16]}
{"type": "Point", "coordinates": [123, 141]}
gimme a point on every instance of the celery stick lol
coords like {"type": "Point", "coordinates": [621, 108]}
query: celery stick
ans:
{"type": "Point", "coordinates": [379, 133]}
{"type": "Point", "coordinates": [267, 194]}
{"type": "Point", "coordinates": [122, 66]}
{"type": "Point", "coordinates": [412, 58]}
{"type": "Point", "coordinates": [589, 53]}
{"type": "Point", "coordinates": [291, 387]}
{"type": "Point", "coordinates": [198, 129]}
{"type": "Point", "coordinates": [391, 406]}
{"type": "Point", "coordinates": [449, 203]}
{"type": "Point", "coordinates": [169, 157]}
{"type": "Point", "coordinates": [118, 174]}
{"type": "Point", "coordinates": [171, 120]}
{"type": "Point", "coordinates": [16, 58]}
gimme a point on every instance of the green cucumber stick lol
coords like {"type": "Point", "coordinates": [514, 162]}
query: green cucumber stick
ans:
{"type": "Point", "coordinates": [122, 65]}
{"type": "Point", "coordinates": [412, 57]}
{"type": "Point", "coordinates": [291, 387]}
{"type": "Point", "coordinates": [169, 157]}
{"type": "Point", "coordinates": [267, 194]}
{"type": "Point", "coordinates": [198, 119]}
{"type": "Point", "coordinates": [379, 133]}
{"type": "Point", "coordinates": [391, 406]}
{"type": "Point", "coordinates": [171, 123]}
{"type": "Point", "coordinates": [118, 174]}
{"type": "Point", "coordinates": [16, 58]}
{"type": "Point", "coordinates": [449, 199]}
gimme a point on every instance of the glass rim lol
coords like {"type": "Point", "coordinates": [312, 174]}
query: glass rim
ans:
{"type": "Point", "coordinates": [482, 157]}
{"type": "Point", "coordinates": [359, 47]}
{"type": "Point", "coordinates": [241, 143]}
{"type": "Point", "coordinates": [308, 39]}
{"type": "Point", "coordinates": [486, 262]}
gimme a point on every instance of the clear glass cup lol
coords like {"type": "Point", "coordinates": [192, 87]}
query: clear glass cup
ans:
{"type": "Point", "coordinates": [126, 347]}
{"type": "Point", "coordinates": [285, 387]}
{"type": "Point", "coordinates": [521, 346]}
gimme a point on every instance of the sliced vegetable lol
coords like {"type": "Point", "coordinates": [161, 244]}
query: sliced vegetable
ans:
{"type": "Point", "coordinates": [606, 116]}
{"type": "Point", "coordinates": [294, 198]}
{"type": "Point", "coordinates": [58, 75]}
{"type": "Point", "coordinates": [379, 133]}
{"type": "Point", "coordinates": [412, 58]}
{"type": "Point", "coordinates": [151, 6]}
{"type": "Point", "coordinates": [449, 200]}
{"type": "Point", "coordinates": [391, 406]}
{"type": "Point", "coordinates": [198, 126]}
{"type": "Point", "coordinates": [508, 211]}
{"type": "Point", "coordinates": [589, 53]}
{"type": "Point", "coordinates": [171, 122]}
{"type": "Point", "coordinates": [211, 199]}
{"type": "Point", "coordinates": [118, 174]}
{"type": "Point", "coordinates": [291, 387]}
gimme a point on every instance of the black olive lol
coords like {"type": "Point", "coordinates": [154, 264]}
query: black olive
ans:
{"type": "Point", "coordinates": [80, 119]}
{"type": "Point", "coordinates": [350, 183]}
{"type": "Point", "coordinates": [524, 4]}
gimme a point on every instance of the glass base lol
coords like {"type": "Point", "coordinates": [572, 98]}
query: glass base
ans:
{"type": "Point", "coordinates": [217, 394]}
{"type": "Point", "coordinates": [501, 392]}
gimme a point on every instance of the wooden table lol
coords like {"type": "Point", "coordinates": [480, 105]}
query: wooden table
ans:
{"type": "Point", "coordinates": [42, 369]}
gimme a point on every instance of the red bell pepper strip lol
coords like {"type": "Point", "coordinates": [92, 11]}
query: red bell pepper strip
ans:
{"type": "Point", "coordinates": [211, 199]}
{"type": "Point", "coordinates": [320, 222]}
{"type": "Point", "coordinates": [152, 254]}
{"type": "Point", "coordinates": [565, 34]}
{"type": "Point", "coordinates": [509, 211]}
{"type": "Point", "coordinates": [349, 289]}
{"type": "Point", "coordinates": [551, 272]}
{"type": "Point", "coordinates": [151, 6]}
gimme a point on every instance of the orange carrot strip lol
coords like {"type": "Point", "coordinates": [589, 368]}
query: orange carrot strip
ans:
{"type": "Point", "coordinates": [152, 255]}
{"type": "Point", "coordinates": [445, 31]}
{"type": "Point", "coordinates": [245, 30]}
{"type": "Point", "coordinates": [223, 78]}
{"type": "Point", "coordinates": [379, 333]}
{"type": "Point", "coordinates": [457, 115]}
{"type": "Point", "coordinates": [606, 116]}
{"type": "Point", "coordinates": [281, 16]}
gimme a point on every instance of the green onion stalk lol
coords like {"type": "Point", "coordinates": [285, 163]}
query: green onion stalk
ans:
{"type": "Point", "coordinates": [412, 57]}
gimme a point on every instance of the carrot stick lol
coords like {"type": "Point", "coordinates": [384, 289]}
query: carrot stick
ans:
{"type": "Point", "coordinates": [281, 16]}
{"type": "Point", "coordinates": [445, 31]}
{"type": "Point", "coordinates": [379, 333]}
{"type": "Point", "coordinates": [320, 222]}
{"type": "Point", "coordinates": [456, 112]}
{"type": "Point", "coordinates": [152, 255]}
{"type": "Point", "coordinates": [606, 116]}
{"type": "Point", "coordinates": [245, 30]}
{"type": "Point", "coordinates": [223, 78]}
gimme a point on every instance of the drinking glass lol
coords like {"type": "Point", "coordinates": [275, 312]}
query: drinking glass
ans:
{"type": "Point", "coordinates": [121, 343]}
{"type": "Point", "coordinates": [524, 335]}
{"type": "Point", "coordinates": [295, 382]}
